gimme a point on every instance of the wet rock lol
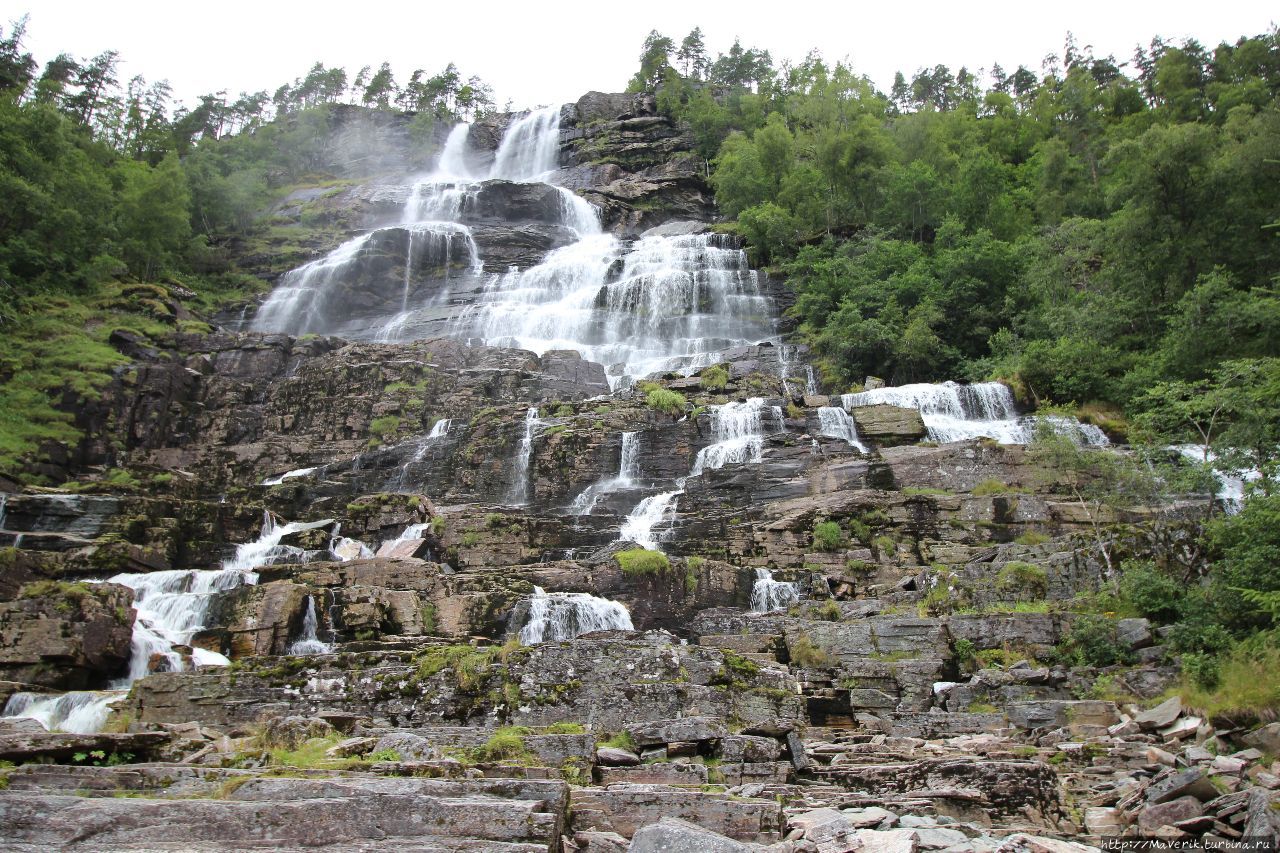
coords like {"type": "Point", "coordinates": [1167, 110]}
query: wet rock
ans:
{"type": "Point", "coordinates": [66, 636]}
{"type": "Point", "coordinates": [888, 424]}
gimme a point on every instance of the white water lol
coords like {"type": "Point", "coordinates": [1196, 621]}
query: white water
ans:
{"type": "Point", "coordinates": [1231, 484]}
{"type": "Point", "coordinates": [628, 473]}
{"type": "Point", "coordinates": [309, 643]}
{"type": "Point", "coordinates": [554, 616]}
{"type": "Point", "coordinates": [518, 494]}
{"type": "Point", "coordinates": [80, 711]}
{"type": "Point", "coordinates": [835, 422]}
{"type": "Point", "coordinates": [768, 594]}
{"type": "Point", "coordinates": [673, 304]}
{"type": "Point", "coordinates": [288, 475]}
{"type": "Point", "coordinates": [739, 436]}
{"type": "Point", "coordinates": [738, 433]}
{"type": "Point", "coordinates": [954, 412]}
{"type": "Point", "coordinates": [170, 608]}
{"type": "Point", "coordinates": [439, 430]}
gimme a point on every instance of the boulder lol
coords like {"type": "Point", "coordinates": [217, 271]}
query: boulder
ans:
{"type": "Point", "coordinates": [1266, 738]}
{"type": "Point", "coordinates": [674, 731]}
{"type": "Point", "coordinates": [672, 835]}
{"type": "Point", "coordinates": [66, 636]}
{"type": "Point", "coordinates": [1193, 782]}
{"type": "Point", "coordinates": [1160, 716]}
{"type": "Point", "coordinates": [612, 756]}
{"type": "Point", "coordinates": [886, 841]}
{"type": "Point", "coordinates": [886, 424]}
{"type": "Point", "coordinates": [1166, 813]}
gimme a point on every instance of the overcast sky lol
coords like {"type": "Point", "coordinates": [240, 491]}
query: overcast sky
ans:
{"type": "Point", "coordinates": [539, 53]}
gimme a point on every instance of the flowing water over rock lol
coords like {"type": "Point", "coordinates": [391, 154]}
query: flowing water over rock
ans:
{"type": "Point", "coordinates": [768, 594]}
{"type": "Point", "coordinates": [308, 643]}
{"type": "Point", "coordinates": [835, 422]}
{"type": "Point", "coordinates": [554, 616]}
{"type": "Point", "coordinates": [955, 412]}
{"type": "Point", "coordinates": [519, 493]}
{"type": "Point", "coordinates": [628, 473]}
{"type": "Point", "coordinates": [664, 303]}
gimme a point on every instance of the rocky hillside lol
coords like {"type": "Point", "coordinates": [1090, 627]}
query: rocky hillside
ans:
{"type": "Point", "coordinates": [419, 592]}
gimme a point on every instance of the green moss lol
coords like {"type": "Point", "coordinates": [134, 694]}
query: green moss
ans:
{"type": "Point", "coordinates": [804, 653]}
{"type": "Point", "coordinates": [663, 400]}
{"type": "Point", "coordinates": [642, 561]}
{"type": "Point", "coordinates": [1032, 538]}
{"type": "Point", "coordinates": [505, 744]}
{"type": "Point", "coordinates": [619, 740]}
{"type": "Point", "coordinates": [565, 729]}
{"type": "Point", "coordinates": [1022, 579]}
{"type": "Point", "coordinates": [470, 539]}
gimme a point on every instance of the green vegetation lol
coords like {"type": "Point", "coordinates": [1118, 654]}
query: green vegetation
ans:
{"type": "Point", "coordinates": [663, 400]}
{"type": "Point", "coordinates": [924, 490]}
{"type": "Point", "coordinates": [1092, 641]}
{"type": "Point", "coordinates": [505, 744]}
{"type": "Point", "coordinates": [714, 378]}
{"type": "Point", "coordinates": [1032, 538]}
{"type": "Point", "coordinates": [620, 740]}
{"type": "Point", "coordinates": [642, 561]}
{"type": "Point", "coordinates": [1021, 579]}
{"type": "Point", "coordinates": [804, 653]}
{"type": "Point", "coordinates": [565, 729]}
{"type": "Point", "coordinates": [827, 536]}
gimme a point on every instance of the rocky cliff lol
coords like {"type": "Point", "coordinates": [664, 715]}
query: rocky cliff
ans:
{"type": "Point", "coordinates": [423, 587]}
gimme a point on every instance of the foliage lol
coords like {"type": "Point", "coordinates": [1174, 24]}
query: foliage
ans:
{"type": "Point", "coordinates": [565, 729]}
{"type": "Point", "coordinates": [827, 536]}
{"type": "Point", "coordinates": [505, 744]}
{"type": "Point", "coordinates": [619, 740]}
{"type": "Point", "coordinates": [1092, 641]}
{"type": "Point", "coordinates": [642, 561]}
{"type": "Point", "coordinates": [1239, 683]}
{"type": "Point", "coordinates": [805, 654]}
{"type": "Point", "coordinates": [1022, 579]}
{"type": "Point", "coordinates": [1248, 549]}
{"type": "Point", "coordinates": [1152, 593]}
{"type": "Point", "coordinates": [714, 378]}
{"type": "Point", "coordinates": [663, 400]}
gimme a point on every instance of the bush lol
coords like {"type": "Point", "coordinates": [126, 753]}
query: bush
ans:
{"type": "Point", "coordinates": [1241, 683]}
{"type": "Point", "coordinates": [1248, 545]}
{"type": "Point", "coordinates": [642, 561]}
{"type": "Point", "coordinates": [990, 487]}
{"type": "Point", "coordinates": [714, 378]}
{"type": "Point", "coordinates": [1151, 593]}
{"type": "Point", "coordinates": [1032, 538]}
{"type": "Point", "coordinates": [1018, 578]}
{"type": "Point", "coordinates": [663, 400]}
{"type": "Point", "coordinates": [1197, 636]}
{"type": "Point", "coordinates": [1204, 671]}
{"type": "Point", "coordinates": [827, 536]}
{"type": "Point", "coordinates": [565, 729]}
{"type": "Point", "coordinates": [505, 744]}
{"type": "Point", "coordinates": [1092, 641]}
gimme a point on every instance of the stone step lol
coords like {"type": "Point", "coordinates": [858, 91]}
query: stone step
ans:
{"type": "Point", "coordinates": [624, 808]}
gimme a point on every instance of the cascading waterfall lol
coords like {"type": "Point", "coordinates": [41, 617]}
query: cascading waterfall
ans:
{"type": "Point", "coordinates": [835, 422]}
{"type": "Point", "coordinates": [768, 594]}
{"type": "Point", "coordinates": [309, 643]}
{"type": "Point", "coordinates": [554, 616]}
{"type": "Point", "coordinates": [519, 491]}
{"type": "Point", "coordinates": [1231, 484]}
{"type": "Point", "coordinates": [660, 304]}
{"type": "Point", "coordinates": [170, 608]}
{"type": "Point", "coordinates": [628, 473]}
{"type": "Point", "coordinates": [738, 430]}
{"type": "Point", "coordinates": [288, 475]}
{"type": "Point", "coordinates": [954, 412]}
{"type": "Point", "coordinates": [738, 433]}
{"type": "Point", "coordinates": [439, 430]}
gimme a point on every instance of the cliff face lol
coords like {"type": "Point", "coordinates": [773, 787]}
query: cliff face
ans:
{"type": "Point", "coordinates": [839, 630]}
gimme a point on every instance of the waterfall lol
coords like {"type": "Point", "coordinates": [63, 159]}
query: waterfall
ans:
{"type": "Point", "coordinates": [953, 412]}
{"type": "Point", "coordinates": [1231, 484]}
{"type": "Point", "coordinates": [453, 157]}
{"type": "Point", "coordinates": [810, 381]}
{"type": "Point", "coordinates": [653, 510]}
{"type": "Point", "coordinates": [530, 148]}
{"type": "Point", "coordinates": [309, 643]}
{"type": "Point", "coordinates": [628, 473]}
{"type": "Point", "coordinates": [835, 422]}
{"type": "Point", "coordinates": [554, 616]}
{"type": "Point", "coordinates": [439, 430]}
{"type": "Point", "coordinates": [768, 594]}
{"type": "Point", "coordinates": [738, 434]}
{"type": "Point", "coordinates": [80, 711]}
{"type": "Point", "coordinates": [519, 492]}
{"type": "Point", "coordinates": [288, 475]}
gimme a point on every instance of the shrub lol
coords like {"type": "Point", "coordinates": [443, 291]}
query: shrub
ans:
{"type": "Point", "coordinates": [1033, 538]}
{"type": "Point", "coordinates": [384, 428]}
{"type": "Point", "coordinates": [1243, 681]}
{"type": "Point", "coordinates": [663, 400]}
{"type": "Point", "coordinates": [642, 561]}
{"type": "Point", "coordinates": [965, 651]}
{"type": "Point", "coordinates": [990, 486]}
{"type": "Point", "coordinates": [807, 655]}
{"type": "Point", "coordinates": [619, 740]}
{"type": "Point", "coordinates": [860, 531]}
{"type": "Point", "coordinates": [470, 539]}
{"type": "Point", "coordinates": [565, 729]}
{"type": "Point", "coordinates": [714, 378]}
{"type": "Point", "coordinates": [1196, 636]}
{"type": "Point", "coordinates": [1151, 593]}
{"type": "Point", "coordinates": [1092, 641]}
{"type": "Point", "coordinates": [1019, 578]}
{"type": "Point", "coordinates": [828, 610]}
{"type": "Point", "coordinates": [505, 744]}
{"type": "Point", "coordinates": [827, 536]}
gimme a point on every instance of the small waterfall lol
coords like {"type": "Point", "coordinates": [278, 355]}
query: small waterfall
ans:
{"type": "Point", "coordinates": [530, 148]}
{"type": "Point", "coordinates": [453, 157]}
{"type": "Point", "coordinates": [309, 643]}
{"type": "Point", "coordinates": [628, 473]}
{"type": "Point", "coordinates": [649, 513]}
{"type": "Point", "coordinates": [1231, 484]}
{"type": "Point", "coordinates": [953, 412]}
{"type": "Point", "coordinates": [80, 711]}
{"type": "Point", "coordinates": [344, 548]}
{"type": "Point", "coordinates": [836, 423]}
{"type": "Point", "coordinates": [288, 475]}
{"type": "Point", "coordinates": [768, 594]}
{"type": "Point", "coordinates": [424, 443]}
{"type": "Point", "coordinates": [554, 616]}
{"type": "Point", "coordinates": [519, 491]}
{"type": "Point", "coordinates": [810, 381]}
{"type": "Point", "coordinates": [739, 436]}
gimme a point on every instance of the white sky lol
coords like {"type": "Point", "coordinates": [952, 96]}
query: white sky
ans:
{"type": "Point", "coordinates": [536, 53]}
